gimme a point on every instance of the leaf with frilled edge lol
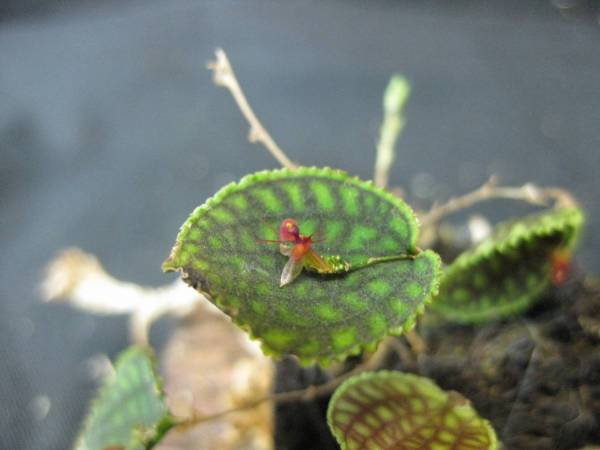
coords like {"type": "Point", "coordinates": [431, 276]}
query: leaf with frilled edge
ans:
{"type": "Point", "coordinates": [508, 271]}
{"type": "Point", "coordinates": [129, 411]}
{"type": "Point", "coordinates": [316, 317]}
{"type": "Point", "coordinates": [399, 411]}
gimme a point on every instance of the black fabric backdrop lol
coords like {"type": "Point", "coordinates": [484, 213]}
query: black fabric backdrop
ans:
{"type": "Point", "coordinates": [111, 133]}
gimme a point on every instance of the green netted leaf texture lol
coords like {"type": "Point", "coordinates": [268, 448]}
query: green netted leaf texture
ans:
{"type": "Point", "coordinates": [316, 317]}
{"type": "Point", "coordinates": [507, 272]}
{"type": "Point", "coordinates": [393, 410]}
{"type": "Point", "coordinates": [129, 411]}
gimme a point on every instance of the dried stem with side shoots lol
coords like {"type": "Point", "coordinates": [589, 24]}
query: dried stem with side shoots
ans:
{"type": "Point", "coordinates": [79, 279]}
{"type": "Point", "coordinates": [529, 193]}
{"type": "Point", "coordinates": [223, 75]}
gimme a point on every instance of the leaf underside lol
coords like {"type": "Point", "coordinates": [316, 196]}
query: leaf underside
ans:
{"type": "Point", "coordinates": [393, 410]}
{"type": "Point", "coordinates": [507, 272]}
{"type": "Point", "coordinates": [316, 317]}
{"type": "Point", "coordinates": [129, 411]}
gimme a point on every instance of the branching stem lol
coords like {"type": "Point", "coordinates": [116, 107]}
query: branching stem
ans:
{"type": "Point", "coordinates": [529, 193]}
{"type": "Point", "coordinates": [223, 75]}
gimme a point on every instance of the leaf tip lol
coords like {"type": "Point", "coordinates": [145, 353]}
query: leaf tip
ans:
{"type": "Point", "coordinates": [169, 265]}
{"type": "Point", "coordinates": [173, 262]}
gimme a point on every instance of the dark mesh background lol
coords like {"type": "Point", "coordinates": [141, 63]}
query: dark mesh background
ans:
{"type": "Point", "coordinates": [111, 132]}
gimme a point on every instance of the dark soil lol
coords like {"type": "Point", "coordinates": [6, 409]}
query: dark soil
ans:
{"type": "Point", "coordinates": [535, 377]}
{"type": "Point", "coordinates": [301, 425]}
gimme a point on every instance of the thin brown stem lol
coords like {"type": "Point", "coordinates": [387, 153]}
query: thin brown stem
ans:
{"type": "Point", "coordinates": [529, 193]}
{"type": "Point", "coordinates": [417, 344]}
{"type": "Point", "coordinates": [223, 75]}
{"type": "Point", "coordinates": [299, 395]}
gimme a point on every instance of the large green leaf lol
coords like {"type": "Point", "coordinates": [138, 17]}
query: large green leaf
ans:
{"type": "Point", "coordinates": [129, 411]}
{"type": "Point", "coordinates": [316, 317]}
{"type": "Point", "coordinates": [507, 272]}
{"type": "Point", "coordinates": [399, 411]}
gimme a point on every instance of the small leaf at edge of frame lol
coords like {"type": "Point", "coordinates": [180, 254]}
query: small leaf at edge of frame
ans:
{"type": "Point", "coordinates": [129, 411]}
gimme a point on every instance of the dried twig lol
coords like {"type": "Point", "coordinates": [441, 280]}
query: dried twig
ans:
{"type": "Point", "coordinates": [79, 278]}
{"type": "Point", "coordinates": [223, 75]}
{"type": "Point", "coordinates": [529, 193]}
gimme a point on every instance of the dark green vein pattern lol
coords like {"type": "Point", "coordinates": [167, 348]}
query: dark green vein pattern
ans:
{"type": "Point", "coordinates": [399, 411]}
{"type": "Point", "coordinates": [507, 272]}
{"type": "Point", "coordinates": [129, 411]}
{"type": "Point", "coordinates": [316, 317]}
